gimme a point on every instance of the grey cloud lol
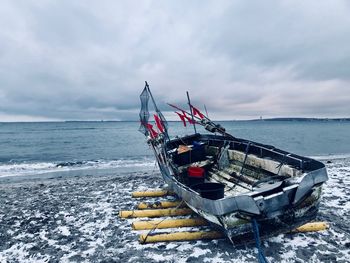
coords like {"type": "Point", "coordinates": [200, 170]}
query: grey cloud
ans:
{"type": "Point", "coordinates": [311, 36]}
{"type": "Point", "coordinates": [89, 60]}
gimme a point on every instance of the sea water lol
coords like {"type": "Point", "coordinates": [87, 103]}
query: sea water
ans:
{"type": "Point", "coordinates": [39, 148]}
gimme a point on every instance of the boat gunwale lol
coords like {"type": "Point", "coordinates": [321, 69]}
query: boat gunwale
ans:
{"type": "Point", "coordinates": [284, 154]}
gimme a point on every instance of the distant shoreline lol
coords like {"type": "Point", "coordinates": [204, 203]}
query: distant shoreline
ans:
{"type": "Point", "coordinates": [251, 120]}
{"type": "Point", "coordinates": [303, 119]}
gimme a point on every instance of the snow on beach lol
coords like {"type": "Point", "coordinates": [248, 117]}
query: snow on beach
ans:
{"type": "Point", "coordinates": [76, 219]}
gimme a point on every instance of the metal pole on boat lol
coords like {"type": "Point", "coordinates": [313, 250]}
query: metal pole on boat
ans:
{"type": "Point", "coordinates": [206, 112]}
{"type": "Point", "coordinates": [189, 104]}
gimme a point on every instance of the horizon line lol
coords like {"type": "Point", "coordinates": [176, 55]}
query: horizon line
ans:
{"type": "Point", "coordinates": [260, 119]}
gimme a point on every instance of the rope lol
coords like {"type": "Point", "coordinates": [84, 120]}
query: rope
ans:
{"type": "Point", "coordinates": [245, 158]}
{"type": "Point", "coordinates": [156, 225]}
{"type": "Point", "coordinates": [279, 166]}
{"type": "Point", "coordinates": [261, 256]}
{"type": "Point", "coordinates": [241, 172]}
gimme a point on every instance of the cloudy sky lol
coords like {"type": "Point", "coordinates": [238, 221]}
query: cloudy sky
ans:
{"type": "Point", "coordinates": [88, 60]}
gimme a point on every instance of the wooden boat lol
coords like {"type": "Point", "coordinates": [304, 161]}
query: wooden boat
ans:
{"type": "Point", "coordinates": [238, 180]}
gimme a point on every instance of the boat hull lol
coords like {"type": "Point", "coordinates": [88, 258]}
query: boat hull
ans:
{"type": "Point", "coordinates": [278, 210]}
{"type": "Point", "coordinates": [238, 227]}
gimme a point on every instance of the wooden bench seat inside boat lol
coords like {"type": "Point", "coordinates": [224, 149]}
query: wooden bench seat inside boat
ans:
{"type": "Point", "coordinates": [264, 164]}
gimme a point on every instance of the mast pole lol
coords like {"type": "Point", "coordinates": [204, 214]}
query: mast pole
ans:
{"type": "Point", "coordinates": [189, 104]}
{"type": "Point", "coordinates": [206, 112]}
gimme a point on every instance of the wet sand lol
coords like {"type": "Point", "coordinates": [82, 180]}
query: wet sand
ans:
{"type": "Point", "coordinates": [75, 219]}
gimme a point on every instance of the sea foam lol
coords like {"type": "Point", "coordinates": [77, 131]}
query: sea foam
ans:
{"type": "Point", "coordinates": [27, 168]}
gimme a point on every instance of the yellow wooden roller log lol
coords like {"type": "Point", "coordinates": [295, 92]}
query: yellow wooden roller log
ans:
{"type": "Point", "coordinates": [180, 236]}
{"type": "Point", "coordinates": [164, 204]}
{"type": "Point", "coordinates": [157, 193]}
{"type": "Point", "coordinates": [312, 227]}
{"type": "Point", "coordinates": [169, 223]}
{"type": "Point", "coordinates": [155, 213]}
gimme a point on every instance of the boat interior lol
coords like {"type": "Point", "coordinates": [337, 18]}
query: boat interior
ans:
{"type": "Point", "coordinates": [241, 166]}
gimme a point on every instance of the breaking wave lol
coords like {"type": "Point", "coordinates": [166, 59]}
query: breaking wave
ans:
{"type": "Point", "coordinates": [27, 168]}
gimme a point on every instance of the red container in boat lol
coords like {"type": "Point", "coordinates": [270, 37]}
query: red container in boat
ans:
{"type": "Point", "coordinates": [196, 172]}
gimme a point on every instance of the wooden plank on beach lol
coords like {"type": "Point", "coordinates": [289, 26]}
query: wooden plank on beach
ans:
{"type": "Point", "coordinates": [160, 204]}
{"type": "Point", "coordinates": [312, 227]}
{"type": "Point", "coordinates": [200, 235]}
{"type": "Point", "coordinates": [155, 193]}
{"type": "Point", "coordinates": [155, 213]}
{"type": "Point", "coordinates": [180, 236]}
{"type": "Point", "coordinates": [169, 223]}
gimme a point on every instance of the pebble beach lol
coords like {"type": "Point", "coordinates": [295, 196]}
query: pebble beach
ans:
{"type": "Point", "coordinates": [75, 219]}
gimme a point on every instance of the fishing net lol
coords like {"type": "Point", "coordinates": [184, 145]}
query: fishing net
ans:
{"type": "Point", "coordinates": [144, 113]}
